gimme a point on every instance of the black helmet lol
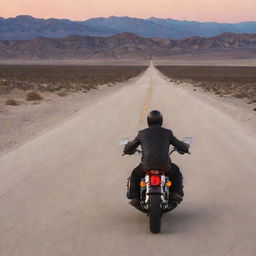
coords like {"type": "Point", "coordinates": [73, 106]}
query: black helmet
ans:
{"type": "Point", "coordinates": [155, 117]}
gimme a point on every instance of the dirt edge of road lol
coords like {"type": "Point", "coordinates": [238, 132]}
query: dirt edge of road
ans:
{"type": "Point", "coordinates": [238, 109]}
{"type": "Point", "coordinates": [21, 123]}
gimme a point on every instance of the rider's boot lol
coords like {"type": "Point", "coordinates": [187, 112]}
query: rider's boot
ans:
{"type": "Point", "coordinates": [177, 196]}
{"type": "Point", "coordinates": [129, 195]}
{"type": "Point", "coordinates": [180, 191]}
{"type": "Point", "coordinates": [135, 202]}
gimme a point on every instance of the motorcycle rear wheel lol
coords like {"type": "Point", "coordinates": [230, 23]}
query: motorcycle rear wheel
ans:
{"type": "Point", "coordinates": [155, 213]}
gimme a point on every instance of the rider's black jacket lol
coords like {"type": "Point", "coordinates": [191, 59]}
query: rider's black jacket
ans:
{"type": "Point", "coordinates": [155, 142]}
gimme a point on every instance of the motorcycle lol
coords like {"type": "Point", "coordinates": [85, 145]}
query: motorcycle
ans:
{"type": "Point", "coordinates": [155, 192]}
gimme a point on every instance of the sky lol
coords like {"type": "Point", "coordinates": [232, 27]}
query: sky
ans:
{"type": "Point", "coordinates": [200, 10]}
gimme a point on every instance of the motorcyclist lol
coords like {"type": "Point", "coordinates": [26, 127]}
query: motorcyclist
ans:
{"type": "Point", "coordinates": [155, 141]}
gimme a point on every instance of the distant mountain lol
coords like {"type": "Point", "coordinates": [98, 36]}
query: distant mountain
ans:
{"type": "Point", "coordinates": [169, 28]}
{"type": "Point", "coordinates": [27, 27]}
{"type": "Point", "coordinates": [124, 46]}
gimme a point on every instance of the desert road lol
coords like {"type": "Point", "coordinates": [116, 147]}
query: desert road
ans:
{"type": "Point", "coordinates": [63, 193]}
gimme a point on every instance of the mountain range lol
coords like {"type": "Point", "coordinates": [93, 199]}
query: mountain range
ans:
{"type": "Point", "coordinates": [26, 27]}
{"type": "Point", "coordinates": [125, 46]}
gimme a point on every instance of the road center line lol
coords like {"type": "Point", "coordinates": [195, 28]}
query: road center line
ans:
{"type": "Point", "coordinates": [146, 103]}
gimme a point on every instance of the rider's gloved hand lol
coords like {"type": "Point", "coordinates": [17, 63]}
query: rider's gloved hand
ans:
{"type": "Point", "coordinates": [188, 146]}
{"type": "Point", "coordinates": [131, 152]}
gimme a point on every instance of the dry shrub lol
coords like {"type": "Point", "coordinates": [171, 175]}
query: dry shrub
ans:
{"type": "Point", "coordinates": [70, 78]}
{"type": "Point", "coordinates": [33, 96]}
{"type": "Point", "coordinates": [240, 95]}
{"type": "Point", "coordinates": [62, 94]}
{"type": "Point", "coordinates": [254, 109]}
{"type": "Point", "coordinates": [252, 101]}
{"type": "Point", "coordinates": [11, 102]}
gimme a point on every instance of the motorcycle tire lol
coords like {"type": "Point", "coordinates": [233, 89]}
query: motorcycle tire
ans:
{"type": "Point", "coordinates": [155, 213]}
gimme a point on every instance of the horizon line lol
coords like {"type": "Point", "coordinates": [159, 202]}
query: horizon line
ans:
{"type": "Point", "coordinates": [107, 17]}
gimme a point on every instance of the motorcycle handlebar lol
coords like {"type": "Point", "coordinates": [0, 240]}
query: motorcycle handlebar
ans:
{"type": "Point", "coordinates": [175, 149]}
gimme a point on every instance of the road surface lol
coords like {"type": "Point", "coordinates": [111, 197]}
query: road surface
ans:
{"type": "Point", "coordinates": [63, 193]}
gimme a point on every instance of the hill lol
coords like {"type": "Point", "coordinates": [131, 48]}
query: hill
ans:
{"type": "Point", "coordinates": [125, 45]}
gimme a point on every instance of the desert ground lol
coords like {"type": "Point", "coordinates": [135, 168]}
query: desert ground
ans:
{"type": "Point", "coordinates": [181, 60]}
{"type": "Point", "coordinates": [225, 81]}
{"type": "Point", "coordinates": [190, 60]}
{"type": "Point", "coordinates": [62, 192]}
{"type": "Point", "coordinates": [63, 90]}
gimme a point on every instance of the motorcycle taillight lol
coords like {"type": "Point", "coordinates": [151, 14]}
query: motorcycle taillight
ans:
{"type": "Point", "coordinates": [155, 180]}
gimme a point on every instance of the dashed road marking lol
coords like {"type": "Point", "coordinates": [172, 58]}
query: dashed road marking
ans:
{"type": "Point", "coordinates": [146, 103]}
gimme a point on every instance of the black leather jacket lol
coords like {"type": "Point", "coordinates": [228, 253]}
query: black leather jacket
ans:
{"type": "Point", "coordinates": [155, 142]}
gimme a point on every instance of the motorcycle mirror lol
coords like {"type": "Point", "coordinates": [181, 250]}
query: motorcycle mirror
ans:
{"type": "Point", "coordinates": [188, 140]}
{"type": "Point", "coordinates": [123, 141]}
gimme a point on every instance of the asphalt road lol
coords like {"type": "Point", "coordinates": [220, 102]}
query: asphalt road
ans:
{"type": "Point", "coordinates": [63, 193]}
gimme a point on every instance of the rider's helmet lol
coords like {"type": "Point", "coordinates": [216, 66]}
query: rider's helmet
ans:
{"type": "Point", "coordinates": [155, 117]}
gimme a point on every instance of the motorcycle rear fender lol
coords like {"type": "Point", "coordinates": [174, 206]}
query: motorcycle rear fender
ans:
{"type": "Point", "coordinates": [155, 190]}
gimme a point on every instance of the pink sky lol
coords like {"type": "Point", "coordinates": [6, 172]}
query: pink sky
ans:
{"type": "Point", "coordinates": [201, 10]}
